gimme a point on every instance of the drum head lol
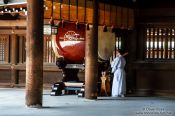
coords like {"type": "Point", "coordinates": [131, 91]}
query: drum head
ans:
{"type": "Point", "coordinates": [71, 42]}
{"type": "Point", "coordinates": [106, 43]}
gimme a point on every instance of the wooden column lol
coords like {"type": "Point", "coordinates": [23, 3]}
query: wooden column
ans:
{"type": "Point", "coordinates": [141, 40]}
{"type": "Point", "coordinates": [6, 49]}
{"type": "Point", "coordinates": [91, 58]}
{"type": "Point", "coordinates": [34, 53]}
{"type": "Point", "coordinates": [21, 49]}
{"type": "Point", "coordinates": [14, 57]}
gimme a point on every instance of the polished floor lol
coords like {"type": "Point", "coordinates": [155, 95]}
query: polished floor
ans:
{"type": "Point", "coordinates": [12, 103]}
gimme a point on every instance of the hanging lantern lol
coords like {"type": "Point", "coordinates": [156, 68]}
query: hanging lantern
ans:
{"type": "Point", "coordinates": [87, 26]}
{"type": "Point", "coordinates": [62, 22]}
{"type": "Point", "coordinates": [105, 28]}
{"type": "Point", "coordinates": [51, 22]}
{"type": "Point", "coordinates": [112, 29]}
{"type": "Point", "coordinates": [77, 25]}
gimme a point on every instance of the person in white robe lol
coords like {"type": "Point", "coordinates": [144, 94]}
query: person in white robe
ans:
{"type": "Point", "coordinates": [119, 79]}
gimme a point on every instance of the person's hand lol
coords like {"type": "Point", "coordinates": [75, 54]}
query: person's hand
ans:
{"type": "Point", "coordinates": [116, 53]}
{"type": "Point", "coordinates": [125, 54]}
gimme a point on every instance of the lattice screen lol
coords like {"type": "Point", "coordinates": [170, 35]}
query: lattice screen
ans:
{"type": "Point", "coordinates": [2, 41]}
{"type": "Point", "coordinates": [3, 48]}
{"type": "Point", "coordinates": [118, 42]}
{"type": "Point", "coordinates": [160, 43]}
{"type": "Point", "coordinates": [118, 45]}
{"type": "Point", "coordinates": [49, 55]}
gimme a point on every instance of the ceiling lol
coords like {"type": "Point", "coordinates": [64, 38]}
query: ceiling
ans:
{"type": "Point", "coordinates": [126, 3]}
{"type": "Point", "coordinates": [18, 4]}
{"type": "Point", "coordinates": [154, 3]}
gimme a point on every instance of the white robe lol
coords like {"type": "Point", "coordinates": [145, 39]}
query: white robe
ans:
{"type": "Point", "coordinates": [119, 79]}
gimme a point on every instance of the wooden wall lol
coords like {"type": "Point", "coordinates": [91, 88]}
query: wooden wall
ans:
{"type": "Point", "coordinates": [146, 77]}
{"type": "Point", "coordinates": [51, 75]}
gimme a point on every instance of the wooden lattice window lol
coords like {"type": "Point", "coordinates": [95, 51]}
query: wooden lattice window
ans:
{"type": "Point", "coordinates": [49, 55]}
{"type": "Point", "coordinates": [160, 43]}
{"type": "Point", "coordinates": [118, 46]}
{"type": "Point", "coordinates": [118, 42]}
{"type": "Point", "coordinates": [4, 48]}
{"type": "Point", "coordinates": [22, 49]}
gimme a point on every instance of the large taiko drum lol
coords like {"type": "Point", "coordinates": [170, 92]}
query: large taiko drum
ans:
{"type": "Point", "coordinates": [106, 42]}
{"type": "Point", "coordinates": [70, 42]}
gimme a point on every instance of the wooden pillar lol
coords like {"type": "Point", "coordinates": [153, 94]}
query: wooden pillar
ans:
{"type": "Point", "coordinates": [131, 58]}
{"type": "Point", "coordinates": [91, 58]}
{"type": "Point", "coordinates": [21, 48]}
{"type": "Point", "coordinates": [14, 57]}
{"type": "Point", "coordinates": [141, 45]}
{"type": "Point", "coordinates": [34, 53]}
{"type": "Point", "coordinates": [7, 55]}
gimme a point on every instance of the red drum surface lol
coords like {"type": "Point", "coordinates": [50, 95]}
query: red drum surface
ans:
{"type": "Point", "coordinates": [71, 42]}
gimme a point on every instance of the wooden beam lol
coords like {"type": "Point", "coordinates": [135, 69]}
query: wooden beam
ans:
{"type": "Point", "coordinates": [13, 23]}
{"type": "Point", "coordinates": [12, 31]}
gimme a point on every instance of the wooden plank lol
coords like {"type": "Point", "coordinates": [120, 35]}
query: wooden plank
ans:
{"type": "Point", "coordinates": [20, 49]}
{"type": "Point", "coordinates": [81, 10]}
{"type": "Point", "coordinates": [13, 51]}
{"type": "Point", "coordinates": [5, 66]}
{"type": "Point", "coordinates": [73, 10]}
{"type": "Point", "coordinates": [130, 18]}
{"type": "Point", "coordinates": [149, 44]}
{"type": "Point", "coordinates": [166, 43]}
{"type": "Point", "coordinates": [56, 13]}
{"type": "Point", "coordinates": [10, 31]}
{"type": "Point", "coordinates": [170, 42]}
{"type": "Point", "coordinates": [157, 50]}
{"type": "Point", "coordinates": [158, 41]}
{"type": "Point", "coordinates": [113, 15]}
{"type": "Point", "coordinates": [47, 10]}
{"type": "Point", "coordinates": [162, 42]}
{"type": "Point", "coordinates": [118, 17]}
{"type": "Point", "coordinates": [173, 44]}
{"type": "Point", "coordinates": [13, 23]}
{"type": "Point", "coordinates": [101, 13]}
{"type": "Point", "coordinates": [89, 12]}
{"type": "Point", "coordinates": [14, 57]}
{"type": "Point", "coordinates": [65, 10]}
{"type": "Point", "coordinates": [7, 46]}
{"type": "Point", "coordinates": [107, 14]}
{"type": "Point", "coordinates": [124, 18]}
{"type": "Point", "coordinates": [153, 42]}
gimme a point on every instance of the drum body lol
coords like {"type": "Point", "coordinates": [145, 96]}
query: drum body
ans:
{"type": "Point", "coordinates": [106, 43]}
{"type": "Point", "coordinates": [70, 42]}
